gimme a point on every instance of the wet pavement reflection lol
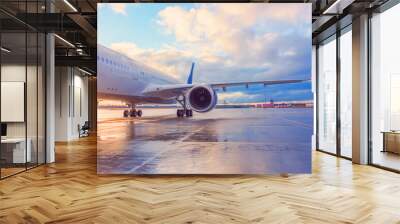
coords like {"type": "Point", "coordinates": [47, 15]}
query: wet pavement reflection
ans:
{"type": "Point", "coordinates": [223, 141]}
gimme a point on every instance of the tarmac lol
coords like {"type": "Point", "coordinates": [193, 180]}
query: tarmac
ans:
{"type": "Point", "coordinates": [223, 141]}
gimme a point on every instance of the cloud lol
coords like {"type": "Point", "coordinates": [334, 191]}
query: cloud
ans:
{"type": "Point", "coordinates": [236, 97]}
{"type": "Point", "coordinates": [168, 60]}
{"type": "Point", "coordinates": [294, 92]}
{"type": "Point", "coordinates": [118, 8]}
{"type": "Point", "coordinates": [230, 42]}
{"type": "Point", "coordinates": [227, 38]}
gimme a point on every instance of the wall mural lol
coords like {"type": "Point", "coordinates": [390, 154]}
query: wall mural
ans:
{"type": "Point", "coordinates": [204, 88]}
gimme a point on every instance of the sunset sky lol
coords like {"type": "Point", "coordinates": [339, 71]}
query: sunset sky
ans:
{"type": "Point", "coordinates": [228, 43]}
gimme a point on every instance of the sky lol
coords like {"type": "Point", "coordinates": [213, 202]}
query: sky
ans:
{"type": "Point", "coordinates": [228, 42]}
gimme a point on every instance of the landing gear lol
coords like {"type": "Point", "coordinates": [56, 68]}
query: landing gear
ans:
{"type": "Point", "coordinates": [136, 113]}
{"type": "Point", "coordinates": [182, 113]}
{"type": "Point", "coordinates": [185, 110]}
{"type": "Point", "coordinates": [126, 113]}
{"type": "Point", "coordinates": [179, 113]}
{"type": "Point", "coordinates": [189, 113]}
{"type": "Point", "coordinates": [133, 113]}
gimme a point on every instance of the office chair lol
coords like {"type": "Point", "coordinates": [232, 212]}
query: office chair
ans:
{"type": "Point", "coordinates": [84, 130]}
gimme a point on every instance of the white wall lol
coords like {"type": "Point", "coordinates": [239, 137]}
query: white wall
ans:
{"type": "Point", "coordinates": [33, 126]}
{"type": "Point", "coordinates": [80, 105]}
{"type": "Point", "coordinates": [71, 102]}
{"type": "Point", "coordinates": [62, 82]}
{"type": "Point", "coordinates": [13, 73]}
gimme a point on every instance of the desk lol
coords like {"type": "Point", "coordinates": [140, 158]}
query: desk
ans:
{"type": "Point", "coordinates": [391, 141]}
{"type": "Point", "coordinates": [17, 150]}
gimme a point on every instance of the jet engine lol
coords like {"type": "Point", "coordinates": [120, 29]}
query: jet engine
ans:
{"type": "Point", "coordinates": [201, 98]}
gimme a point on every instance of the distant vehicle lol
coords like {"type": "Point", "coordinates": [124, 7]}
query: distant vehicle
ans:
{"type": "Point", "coordinates": [122, 78]}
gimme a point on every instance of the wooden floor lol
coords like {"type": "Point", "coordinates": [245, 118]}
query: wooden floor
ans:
{"type": "Point", "coordinates": [69, 191]}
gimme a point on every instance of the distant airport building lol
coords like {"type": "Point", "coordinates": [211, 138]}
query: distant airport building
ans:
{"type": "Point", "coordinates": [288, 104]}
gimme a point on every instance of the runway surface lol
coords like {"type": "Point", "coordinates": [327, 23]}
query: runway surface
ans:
{"type": "Point", "coordinates": [223, 141]}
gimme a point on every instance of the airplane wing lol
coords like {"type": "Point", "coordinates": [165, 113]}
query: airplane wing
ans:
{"type": "Point", "coordinates": [265, 83]}
{"type": "Point", "coordinates": [133, 99]}
{"type": "Point", "coordinates": [175, 90]}
{"type": "Point", "coordinates": [168, 91]}
{"type": "Point", "coordinates": [172, 91]}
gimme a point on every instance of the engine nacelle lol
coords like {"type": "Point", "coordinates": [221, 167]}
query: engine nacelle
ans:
{"type": "Point", "coordinates": [201, 98]}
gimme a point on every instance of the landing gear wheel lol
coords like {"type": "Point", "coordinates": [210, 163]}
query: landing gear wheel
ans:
{"type": "Point", "coordinates": [126, 113]}
{"type": "Point", "coordinates": [189, 113]}
{"type": "Point", "coordinates": [179, 113]}
{"type": "Point", "coordinates": [133, 113]}
{"type": "Point", "coordinates": [139, 113]}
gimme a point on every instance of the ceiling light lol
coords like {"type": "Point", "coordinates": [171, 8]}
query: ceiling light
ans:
{"type": "Point", "coordinates": [84, 71]}
{"type": "Point", "coordinates": [337, 7]}
{"type": "Point", "coordinates": [79, 51]}
{"type": "Point", "coordinates": [65, 41]}
{"type": "Point", "coordinates": [5, 50]}
{"type": "Point", "coordinates": [70, 5]}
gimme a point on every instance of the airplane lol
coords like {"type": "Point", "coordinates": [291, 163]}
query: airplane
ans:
{"type": "Point", "coordinates": [122, 78]}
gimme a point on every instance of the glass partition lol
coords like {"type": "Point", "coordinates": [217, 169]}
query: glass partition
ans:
{"type": "Point", "coordinates": [13, 94]}
{"type": "Point", "coordinates": [22, 77]}
{"type": "Point", "coordinates": [327, 95]}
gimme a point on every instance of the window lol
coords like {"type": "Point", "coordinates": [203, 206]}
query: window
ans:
{"type": "Point", "coordinates": [327, 95]}
{"type": "Point", "coordinates": [346, 93]}
{"type": "Point", "coordinates": [385, 89]}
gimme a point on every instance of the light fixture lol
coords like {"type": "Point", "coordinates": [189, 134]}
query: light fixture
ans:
{"type": "Point", "coordinates": [80, 51]}
{"type": "Point", "coordinates": [337, 7]}
{"type": "Point", "coordinates": [84, 71]}
{"type": "Point", "coordinates": [5, 50]}
{"type": "Point", "coordinates": [64, 40]}
{"type": "Point", "coordinates": [70, 5]}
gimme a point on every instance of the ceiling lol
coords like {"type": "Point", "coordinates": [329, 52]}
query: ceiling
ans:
{"type": "Point", "coordinates": [75, 22]}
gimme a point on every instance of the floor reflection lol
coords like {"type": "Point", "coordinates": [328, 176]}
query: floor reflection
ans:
{"type": "Point", "coordinates": [223, 141]}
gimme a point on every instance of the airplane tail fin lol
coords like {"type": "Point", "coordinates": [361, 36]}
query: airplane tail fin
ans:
{"type": "Point", "coordinates": [190, 78]}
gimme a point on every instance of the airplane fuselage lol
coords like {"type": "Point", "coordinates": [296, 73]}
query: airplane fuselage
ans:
{"type": "Point", "coordinates": [122, 78]}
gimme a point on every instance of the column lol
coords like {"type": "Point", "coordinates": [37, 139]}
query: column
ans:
{"type": "Point", "coordinates": [360, 90]}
